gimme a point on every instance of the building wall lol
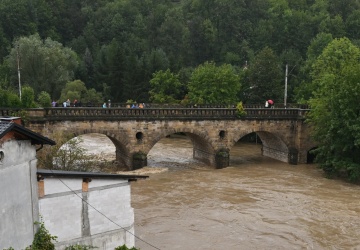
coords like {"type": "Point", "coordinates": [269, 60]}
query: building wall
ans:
{"type": "Point", "coordinates": [18, 196]}
{"type": "Point", "coordinates": [86, 217]}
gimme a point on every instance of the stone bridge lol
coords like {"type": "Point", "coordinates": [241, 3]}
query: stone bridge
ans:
{"type": "Point", "coordinates": [213, 131]}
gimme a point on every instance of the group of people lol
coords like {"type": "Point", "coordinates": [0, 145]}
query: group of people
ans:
{"type": "Point", "coordinates": [68, 103]}
{"type": "Point", "coordinates": [108, 105]}
{"type": "Point", "coordinates": [135, 105]}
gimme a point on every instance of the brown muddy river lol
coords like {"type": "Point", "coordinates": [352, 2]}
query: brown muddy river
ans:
{"type": "Point", "coordinates": [256, 203]}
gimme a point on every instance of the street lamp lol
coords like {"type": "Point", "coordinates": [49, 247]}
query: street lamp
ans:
{"type": "Point", "coordinates": [18, 65]}
{"type": "Point", "coordinates": [286, 81]}
{"type": "Point", "coordinates": [286, 78]}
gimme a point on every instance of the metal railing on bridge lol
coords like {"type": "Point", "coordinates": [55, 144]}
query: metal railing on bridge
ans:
{"type": "Point", "coordinates": [168, 105]}
{"type": "Point", "coordinates": [198, 113]}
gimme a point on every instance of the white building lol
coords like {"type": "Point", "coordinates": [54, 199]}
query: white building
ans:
{"type": "Point", "coordinates": [87, 208]}
{"type": "Point", "coordinates": [18, 197]}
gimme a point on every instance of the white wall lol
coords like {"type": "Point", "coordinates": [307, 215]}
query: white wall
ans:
{"type": "Point", "coordinates": [74, 221]}
{"type": "Point", "coordinates": [61, 209]}
{"type": "Point", "coordinates": [18, 195]}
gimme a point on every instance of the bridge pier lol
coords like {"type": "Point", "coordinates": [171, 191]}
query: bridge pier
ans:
{"type": "Point", "coordinates": [139, 160]}
{"type": "Point", "coordinates": [293, 156]}
{"type": "Point", "coordinates": [222, 158]}
{"type": "Point", "coordinates": [122, 159]}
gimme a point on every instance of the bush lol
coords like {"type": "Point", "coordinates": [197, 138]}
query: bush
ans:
{"type": "Point", "coordinates": [79, 247]}
{"type": "Point", "coordinates": [69, 157]}
{"type": "Point", "coordinates": [124, 247]}
{"type": "Point", "coordinates": [9, 99]}
{"type": "Point", "coordinates": [23, 114]}
{"type": "Point", "coordinates": [28, 97]}
{"type": "Point", "coordinates": [43, 240]}
{"type": "Point", "coordinates": [44, 99]}
{"type": "Point", "coordinates": [240, 109]}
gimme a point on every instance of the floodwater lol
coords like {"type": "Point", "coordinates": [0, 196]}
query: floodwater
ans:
{"type": "Point", "coordinates": [256, 203]}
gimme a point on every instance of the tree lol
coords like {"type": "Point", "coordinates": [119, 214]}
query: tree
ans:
{"type": "Point", "coordinates": [335, 26]}
{"type": "Point", "coordinates": [172, 38]}
{"type": "Point", "coordinates": [304, 91]}
{"type": "Point", "coordinates": [335, 113]}
{"type": "Point", "coordinates": [67, 154]}
{"type": "Point", "coordinates": [73, 90]}
{"type": "Point", "coordinates": [77, 90]}
{"type": "Point", "coordinates": [110, 66]}
{"type": "Point", "coordinates": [92, 97]}
{"type": "Point", "coordinates": [165, 87]}
{"type": "Point", "coordinates": [45, 65]}
{"type": "Point", "coordinates": [353, 25]}
{"type": "Point", "coordinates": [265, 77]}
{"type": "Point", "coordinates": [27, 97]}
{"type": "Point", "coordinates": [44, 99]}
{"type": "Point", "coordinates": [9, 99]}
{"type": "Point", "coordinates": [211, 84]}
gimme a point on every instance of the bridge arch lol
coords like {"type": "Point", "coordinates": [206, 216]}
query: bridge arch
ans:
{"type": "Point", "coordinates": [203, 145]}
{"type": "Point", "coordinates": [310, 157]}
{"type": "Point", "coordinates": [120, 141]}
{"type": "Point", "coordinates": [273, 144]}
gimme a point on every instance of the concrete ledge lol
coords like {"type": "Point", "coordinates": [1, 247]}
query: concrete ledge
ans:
{"type": "Point", "coordinates": [103, 241]}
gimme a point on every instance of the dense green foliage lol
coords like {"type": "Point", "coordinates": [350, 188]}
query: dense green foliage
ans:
{"type": "Point", "coordinates": [76, 90]}
{"type": "Point", "coordinates": [335, 113]}
{"type": "Point", "coordinates": [9, 99]}
{"type": "Point", "coordinates": [165, 87]}
{"type": "Point", "coordinates": [44, 99]}
{"type": "Point", "coordinates": [265, 77]}
{"type": "Point", "coordinates": [115, 46]}
{"type": "Point", "coordinates": [191, 51]}
{"type": "Point", "coordinates": [210, 84]}
{"type": "Point", "coordinates": [45, 64]}
{"type": "Point", "coordinates": [28, 97]}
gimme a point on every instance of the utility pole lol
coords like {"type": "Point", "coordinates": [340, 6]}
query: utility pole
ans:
{"type": "Point", "coordinates": [18, 65]}
{"type": "Point", "coordinates": [286, 78]}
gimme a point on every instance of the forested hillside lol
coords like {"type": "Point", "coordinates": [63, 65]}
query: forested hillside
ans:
{"type": "Point", "coordinates": [115, 46]}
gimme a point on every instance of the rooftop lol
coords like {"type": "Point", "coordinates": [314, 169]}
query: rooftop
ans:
{"type": "Point", "coordinates": [7, 125]}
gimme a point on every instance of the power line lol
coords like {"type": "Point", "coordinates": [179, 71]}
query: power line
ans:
{"type": "Point", "coordinates": [104, 214]}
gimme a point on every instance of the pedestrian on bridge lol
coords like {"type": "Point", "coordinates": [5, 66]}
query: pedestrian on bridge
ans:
{"type": "Point", "coordinates": [68, 103]}
{"type": "Point", "coordinates": [271, 103]}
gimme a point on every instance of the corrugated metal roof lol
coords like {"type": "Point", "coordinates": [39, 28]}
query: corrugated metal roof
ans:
{"type": "Point", "coordinates": [77, 174]}
{"type": "Point", "coordinates": [4, 127]}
